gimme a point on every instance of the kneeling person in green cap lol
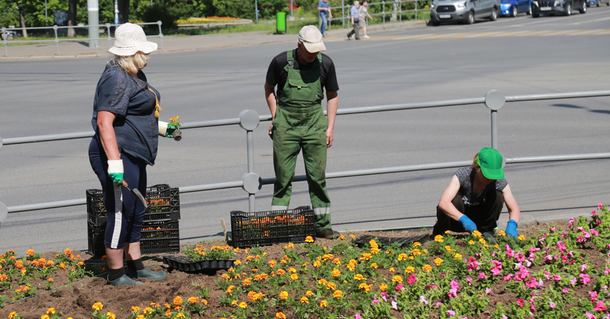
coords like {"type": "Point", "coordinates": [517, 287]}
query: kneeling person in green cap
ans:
{"type": "Point", "coordinates": [475, 197]}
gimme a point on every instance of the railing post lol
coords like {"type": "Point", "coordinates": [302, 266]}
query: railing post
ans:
{"type": "Point", "coordinates": [56, 39]}
{"type": "Point", "coordinates": [109, 37]}
{"type": "Point", "coordinates": [494, 100]}
{"type": "Point", "coordinates": [5, 41]}
{"type": "Point", "coordinates": [249, 120]}
{"type": "Point", "coordinates": [343, 12]}
{"type": "Point", "coordinates": [160, 33]}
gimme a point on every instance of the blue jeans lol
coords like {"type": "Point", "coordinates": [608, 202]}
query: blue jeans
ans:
{"type": "Point", "coordinates": [323, 20]}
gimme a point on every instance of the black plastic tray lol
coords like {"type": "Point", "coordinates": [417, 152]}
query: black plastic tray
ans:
{"type": "Point", "coordinates": [184, 264]}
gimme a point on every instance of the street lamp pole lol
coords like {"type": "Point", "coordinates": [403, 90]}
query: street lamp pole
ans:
{"type": "Point", "coordinates": [116, 11]}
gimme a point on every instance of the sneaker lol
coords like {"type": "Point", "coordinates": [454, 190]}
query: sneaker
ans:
{"type": "Point", "coordinates": [124, 281]}
{"type": "Point", "coordinates": [327, 233]}
{"type": "Point", "coordinates": [145, 273]}
{"type": "Point", "coordinates": [366, 37]}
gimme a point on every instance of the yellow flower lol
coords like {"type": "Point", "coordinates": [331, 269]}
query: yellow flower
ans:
{"type": "Point", "coordinates": [342, 237]}
{"type": "Point", "coordinates": [427, 268]}
{"type": "Point", "coordinates": [501, 233]}
{"type": "Point", "coordinates": [409, 270]}
{"type": "Point", "coordinates": [317, 263]}
{"type": "Point", "coordinates": [110, 315]}
{"type": "Point", "coordinates": [280, 315]}
{"type": "Point", "coordinates": [365, 287]}
{"type": "Point", "coordinates": [359, 277]}
{"type": "Point", "coordinates": [234, 302]}
{"type": "Point", "coordinates": [471, 242]}
{"type": "Point", "coordinates": [147, 310]}
{"type": "Point", "coordinates": [338, 294]}
{"type": "Point", "coordinates": [180, 315]}
{"type": "Point", "coordinates": [140, 317]}
{"type": "Point", "coordinates": [205, 302]}
{"type": "Point", "coordinates": [309, 239]}
{"type": "Point", "coordinates": [402, 256]}
{"type": "Point", "coordinates": [304, 300]}
{"type": "Point", "coordinates": [309, 293]}
{"type": "Point", "coordinates": [45, 317]}
{"type": "Point", "coordinates": [12, 315]}
{"type": "Point", "coordinates": [476, 234]}
{"type": "Point", "coordinates": [243, 305]}
{"type": "Point", "coordinates": [416, 244]}
{"type": "Point", "coordinates": [135, 309]}
{"type": "Point", "coordinates": [98, 306]}
{"type": "Point", "coordinates": [482, 240]}
{"type": "Point", "coordinates": [391, 269]}
{"type": "Point", "coordinates": [237, 263]}
{"type": "Point", "coordinates": [331, 286]}
{"type": "Point", "coordinates": [294, 277]}
{"type": "Point", "coordinates": [193, 300]}
{"type": "Point", "coordinates": [449, 249]}
{"type": "Point", "coordinates": [521, 237]}
{"type": "Point", "coordinates": [383, 287]}
{"type": "Point", "coordinates": [30, 252]}
{"type": "Point", "coordinates": [438, 238]}
{"type": "Point", "coordinates": [337, 261]}
{"type": "Point", "coordinates": [438, 261]}
{"type": "Point", "coordinates": [284, 295]}
{"type": "Point", "coordinates": [374, 266]}
{"type": "Point", "coordinates": [335, 273]}
{"type": "Point", "coordinates": [324, 303]}
{"type": "Point", "coordinates": [51, 311]}
{"type": "Point", "coordinates": [457, 256]}
{"type": "Point", "coordinates": [397, 279]}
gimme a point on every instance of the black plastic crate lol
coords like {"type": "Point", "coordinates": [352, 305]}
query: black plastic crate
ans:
{"type": "Point", "coordinates": [163, 203]}
{"type": "Point", "coordinates": [270, 227]}
{"type": "Point", "coordinates": [158, 236]}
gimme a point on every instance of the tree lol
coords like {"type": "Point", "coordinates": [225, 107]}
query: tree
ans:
{"type": "Point", "coordinates": [9, 13]}
{"type": "Point", "coordinates": [22, 19]}
{"type": "Point", "coordinates": [71, 17]}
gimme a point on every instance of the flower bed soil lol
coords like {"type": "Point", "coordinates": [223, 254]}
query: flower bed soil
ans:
{"type": "Point", "coordinates": [75, 299]}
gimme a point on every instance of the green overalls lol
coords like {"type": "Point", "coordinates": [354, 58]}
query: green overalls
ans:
{"type": "Point", "coordinates": [300, 123]}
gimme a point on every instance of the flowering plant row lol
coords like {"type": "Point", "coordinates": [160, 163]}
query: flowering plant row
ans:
{"type": "Point", "coordinates": [545, 275]}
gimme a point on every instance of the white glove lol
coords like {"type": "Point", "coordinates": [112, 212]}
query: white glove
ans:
{"type": "Point", "coordinates": [163, 128]}
{"type": "Point", "coordinates": [115, 170]}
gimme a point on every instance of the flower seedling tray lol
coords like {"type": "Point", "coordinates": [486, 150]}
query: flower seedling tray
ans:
{"type": "Point", "coordinates": [182, 263]}
{"type": "Point", "coordinates": [270, 227]}
{"type": "Point", "coordinates": [384, 241]}
{"type": "Point", "coordinates": [163, 203]}
{"type": "Point", "coordinates": [158, 236]}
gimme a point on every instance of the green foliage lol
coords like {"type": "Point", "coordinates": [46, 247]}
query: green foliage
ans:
{"type": "Point", "coordinates": [9, 13]}
{"type": "Point", "coordinates": [159, 13]}
{"type": "Point", "coordinates": [234, 8]}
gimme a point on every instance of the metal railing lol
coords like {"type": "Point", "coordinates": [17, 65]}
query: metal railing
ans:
{"type": "Point", "coordinates": [249, 120]}
{"type": "Point", "coordinates": [376, 9]}
{"type": "Point", "coordinates": [13, 32]}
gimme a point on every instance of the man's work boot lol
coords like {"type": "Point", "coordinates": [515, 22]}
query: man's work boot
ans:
{"type": "Point", "coordinates": [327, 233]}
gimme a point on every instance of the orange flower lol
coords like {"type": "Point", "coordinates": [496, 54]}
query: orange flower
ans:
{"type": "Point", "coordinates": [205, 302]}
{"type": "Point", "coordinates": [243, 305]}
{"type": "Point", "coordinates": [97, 306]}
{"type": "Point", "coordinates": [30, 252]}
{"type": "Point", "coordinates": [335, 273]}
{"type": "Point", "coordinates": [63, 266]}
{"type": "Point", "coordinates": [323, 303]}
{"type": "Point", "coordinates": [193, 300]}
{"type": "Point", "coordinates": [19, 264]}
{"type": "Point", "coordinates": [304, 300]}
{"type": "Point", "coordinates": [50, 279]}
{"type": "Point", "coordinates": [294, 277]}
{"type": "Point", "coordinates": [68, 251]}
{"type": "Point", "coordinates": [338, 294]}
{"type": "Point", "coordinates": [309, 239]}
{"type": "Point", "coordinates": [383, 287]}
{"type": "Point", "coordinates": [280, 315]}
{"type": "Point", "coordinates": [177, 301]}
{"type": "Point", "coordinates": [284, 295]}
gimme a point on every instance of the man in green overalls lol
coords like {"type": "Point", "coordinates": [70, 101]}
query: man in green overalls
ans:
{"type": "Point", "coordinates": [299, 122]}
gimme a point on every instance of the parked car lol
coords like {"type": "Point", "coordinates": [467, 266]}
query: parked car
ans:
{"type": "Point", "coordinates": [557, 7]}
{"type": "Point", "coordinates": [466, 11]}
{"type": "Point", "coordinates": [597, 2]}
{"type": "Point", "coordinates": [514, 7]}
{"type": "Point", "coordinates": [607, 2]}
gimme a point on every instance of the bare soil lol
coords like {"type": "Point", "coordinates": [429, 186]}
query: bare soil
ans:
{"type": "Point", "coordinates": [75, 299]}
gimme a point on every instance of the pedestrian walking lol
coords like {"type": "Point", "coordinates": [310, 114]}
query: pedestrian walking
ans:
{"type": "Point", "coordinates": [301, 76]}
{"type": "Point", "coordinates": [364, 15]}
{"type": "Point", "coordinates": [324, 14]}
{"type": "Point", "coordinates": [355, 18]}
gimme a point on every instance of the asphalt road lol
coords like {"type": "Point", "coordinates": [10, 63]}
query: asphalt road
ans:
{"type": "Point", "coordinates": [516, 56]}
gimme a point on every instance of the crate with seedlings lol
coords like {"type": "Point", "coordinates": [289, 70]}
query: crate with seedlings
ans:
{"type": "Point", "coordinates": [271, 227]}
{"type": "Point", "coordinates": [160, 230]}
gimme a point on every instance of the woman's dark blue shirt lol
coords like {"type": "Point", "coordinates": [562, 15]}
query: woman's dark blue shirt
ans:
{"type": "Point", "coordinates": [127, 97]}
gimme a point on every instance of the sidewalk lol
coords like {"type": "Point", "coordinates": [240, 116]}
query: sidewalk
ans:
{"type": "Point", "coordinates": [80, 49]}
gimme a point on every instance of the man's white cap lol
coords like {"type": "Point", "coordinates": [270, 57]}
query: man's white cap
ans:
{"type": "Point", "coordinates": [311, 38]}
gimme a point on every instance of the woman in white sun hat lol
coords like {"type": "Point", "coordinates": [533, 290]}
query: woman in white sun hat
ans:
{"type": "Point", "coordinates": [126, 123]}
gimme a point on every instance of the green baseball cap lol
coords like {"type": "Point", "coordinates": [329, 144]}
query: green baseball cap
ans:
{"type": "Point", "coordinates": [491, 163]}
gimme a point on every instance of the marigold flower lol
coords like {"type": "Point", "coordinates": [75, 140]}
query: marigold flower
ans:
{"type": "Point", "coordinates": [281, 272]}
{"type": "Point", "coordinates": [323, 303]}
{"type": "Point", "coordinates": [140, 317]}
{"type": "Point", "coordinates": [397, 279]}
{"type": "Point", "coordinates": [338, 294]}
{"type": "Point", "coordinates": [337, 261]}
{"type": "Point", "coordinates": [427, 268]}
{"type": "Point", "coordinates": [68, 251]}
{"type": "Point", "coordinates": [331, 286]}
{"type": "Point", "coordinates": [409, 270]}
{"type": "Point", "coordinates": [457, 256]}
{"type": "Point", "coordinates": [180, 315]}
{"type": "Point", "coordinates": [193, 300]}
{"type": "Point", "coordinates": [97, 306]}
{"type": "Point", "coordinates": [30, 252]}
{"type": "Point", "coordinates": [359, 277]}
{"type": "Point", "coordinates": [234, 302]}
{"type": "Point", "coordinates": [309, 293]}
{"type": "Point", "coordinates": [304, 300]}
{"type": "Point", "coordinates": [147, 310]}
{"type": "Point", "coordinates": [521, 237]}
{"type": "Point", "coordinates": [247, 282]}
{"type": "Point", "coordinates": [205, 302]}
{"type": "Point", "coordinates": [50, 311]}
{"type": "Point", "coordinates": [317, 263]}
{"type": "Point", "coordinates": [284, 295]}
{"type": "Point", "coordinates": [335, 273]}
{"type": "Point", "coordinates": [272, 263]}
{"type": "Point", "coordinates": [237, 262]}
{"type": "Point", "coordinates": [365, 287]}
{"type": "Point", "coordinates": [309, 239]}
{"type": "Point", "coordinates": [243, 305]}
{"type": "Point", "coordinates": [19, 264]}
{"type": "Point", "coordinates": [45, 317]}
{"type": "Point", "coordinates": [294, 277]}
{"type": "Point", "coordinates": [63, 266]}
{"type": "Point", "coordinates": [177, 301]}
{"type": "Point", "coordinates": [383, 287]}
{"type": "Point", "coordinates": [226, 276]}
{"type": "Point", "coordinates": [402, 257]}
{"type": "Point", "coordinates": [374, 266]}
{"type": "Point", "coordinates": [342, 237]}
{"type": "Point", "coordinates": [280, 315]}
{"type": "Point", "coordinates": [110, 315]}
{"type": "Point", "coordinates": [438, 238]}
{"type": "Point", "coordinates": [12, 315]}
{"type": "Point", "coordinates": [438, 261]}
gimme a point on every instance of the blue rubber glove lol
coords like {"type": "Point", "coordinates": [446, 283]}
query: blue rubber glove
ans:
{"type": "Point", "coordinates": [468, 224]}
{"type": "Point", "coordinates": [115, 170]}
{"type": "Point", "coordinates": [511, 228]}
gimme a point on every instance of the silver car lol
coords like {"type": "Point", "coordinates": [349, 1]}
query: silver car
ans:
{"type": "Point", "coordinates": [466, 11]}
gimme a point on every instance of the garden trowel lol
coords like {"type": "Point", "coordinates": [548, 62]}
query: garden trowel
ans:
{"type": "Point", "coordinates": [136, 192]}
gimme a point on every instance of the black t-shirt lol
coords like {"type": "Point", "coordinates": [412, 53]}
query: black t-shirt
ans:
{"type": "Point", "coordinates": [276, 75]}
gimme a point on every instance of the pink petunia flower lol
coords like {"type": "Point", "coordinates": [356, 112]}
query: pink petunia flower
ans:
{"type": "Point", "coordinates": [451, 313]}
{"type": "Point", "coordinates": [400, 287]}
{"type": "Point", "coordinates": [600, 205]}
{"type": "Point", "coordinates": [482, 275]}
{"type": "Point", "coordinates": [469, 280]}
{"type": "Point", "coordinates": [357, 316]}
{"type": "Point", "coordinates": [552, 304]}
{"type": "Point", "coordinates": [584, 278]}
{"type": "Point", "coordinates": [599, 306]}
{"type": "Point", "coordinates": [590, 315]}
{"type": "Point", "coordinates": [593, 295]}
{"type": "Point", "coordinates": [375, 301]}
{"type": "Point", "coordinates": [412, 279]}
{"type": "Point", "coordinates": [423, 299]}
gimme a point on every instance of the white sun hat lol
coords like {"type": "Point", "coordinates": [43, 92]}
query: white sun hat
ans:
{"type": "Point", "coordinates": [129, 38]}
{"type": "Point", "coordinates": [311, 38]}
